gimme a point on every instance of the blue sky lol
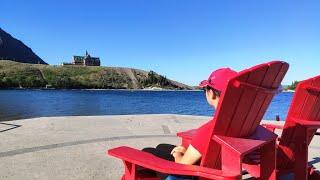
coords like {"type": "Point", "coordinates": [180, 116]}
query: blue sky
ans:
{"type": "Point", "coordinates": [182, 39]}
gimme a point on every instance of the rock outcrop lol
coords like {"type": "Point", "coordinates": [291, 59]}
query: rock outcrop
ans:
{"type": "Point", "coordinates": [15, 50]}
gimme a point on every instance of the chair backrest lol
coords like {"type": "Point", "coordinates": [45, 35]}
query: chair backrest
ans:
{"type": "Point", "coordinates": [242, 105]}
{"type": "Point", "coordinates": [305, 106]}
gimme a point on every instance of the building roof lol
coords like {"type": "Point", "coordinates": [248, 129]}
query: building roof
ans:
{"type": "Point", "coordinates": [86, 57]}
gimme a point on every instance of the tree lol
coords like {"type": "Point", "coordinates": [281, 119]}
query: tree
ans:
{"type": "Point", "coordinates": [293, 85]}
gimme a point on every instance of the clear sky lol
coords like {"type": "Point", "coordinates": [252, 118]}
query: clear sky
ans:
{"type": "Point", "coordinates": [182, 39]}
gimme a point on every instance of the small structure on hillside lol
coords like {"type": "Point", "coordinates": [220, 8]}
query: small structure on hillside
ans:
{"type": "Point", "coordinates": [86, 60]}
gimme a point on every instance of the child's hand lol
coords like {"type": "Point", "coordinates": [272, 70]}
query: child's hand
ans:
{"type": "Point", "coordinates": [178, 149]}
{"type": "Point", "coordinates": [177, 155]}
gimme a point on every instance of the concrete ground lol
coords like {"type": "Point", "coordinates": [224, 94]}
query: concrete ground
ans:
{"type": "Point", "coordinates": [74, 147]}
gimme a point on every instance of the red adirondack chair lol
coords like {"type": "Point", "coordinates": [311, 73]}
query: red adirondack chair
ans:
{"type": "Point", "coordinates": [301, 124]}
{"type": "Point", "coordinates": [235, 131]}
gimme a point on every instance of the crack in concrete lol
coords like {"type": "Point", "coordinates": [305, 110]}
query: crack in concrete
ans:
{"type": "Point", "coordinates": [165, 129]}
{"type": "Point", "coordinates": [73, 143]}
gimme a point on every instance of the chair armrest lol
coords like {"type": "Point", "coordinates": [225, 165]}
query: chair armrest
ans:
{"type": "Point", "coordinates": [272, 127]}
{"type": "Point", "coordinates": [235, 150]}
{"type": "Point", "coordinates": [186, 137]}
{"type": "Point", "coordinates": [150, 161]}
{"type": "Point", "coordinates": [308, 124]}
{"type": "Point", "coordinates": [244, 146]}
{"type": "Point", "coordinates": [187, 134]}
{"type": "Point", "coordinates": [239, 146]}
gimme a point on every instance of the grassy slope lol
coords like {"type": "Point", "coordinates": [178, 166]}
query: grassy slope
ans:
{"type": "Point", "coordinates": [14, 74]}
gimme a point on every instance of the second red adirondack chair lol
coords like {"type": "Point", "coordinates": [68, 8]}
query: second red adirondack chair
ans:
{"type": "Point", "coordinates": [301, 124]}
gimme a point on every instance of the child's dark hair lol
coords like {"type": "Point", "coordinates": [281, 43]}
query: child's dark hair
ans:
{"type": "Point", "coordinates": [216, 92]}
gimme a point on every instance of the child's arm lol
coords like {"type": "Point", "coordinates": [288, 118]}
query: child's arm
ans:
{"type": "Point", "coordinates": [191, 156]}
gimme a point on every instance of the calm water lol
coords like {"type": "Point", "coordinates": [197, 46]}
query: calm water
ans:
{"type": "Point", "coordinates": [21, 104]}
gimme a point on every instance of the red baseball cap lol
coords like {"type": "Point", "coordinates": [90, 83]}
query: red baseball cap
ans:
{"type": "Point", "coordinates": [218, 79]}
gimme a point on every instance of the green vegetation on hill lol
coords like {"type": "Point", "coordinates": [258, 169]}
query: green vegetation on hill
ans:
{"type": "Point", "coordinates": [155, 79]}
{"type": "Point", "coordinates": [292, 86]}
{"type": "Point", "coordinates": [15, 75]}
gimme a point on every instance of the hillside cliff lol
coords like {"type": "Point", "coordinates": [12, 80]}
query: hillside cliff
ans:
{"type": "Point", "coordinates": [13, 49]}
{"type": "Point", "coordinates": [15, 75]}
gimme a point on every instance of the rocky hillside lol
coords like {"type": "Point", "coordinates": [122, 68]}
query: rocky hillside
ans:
{"type": "Point", "coordinates": [15, 75]}
{"type": "Point", "coordinates": [13, 49]}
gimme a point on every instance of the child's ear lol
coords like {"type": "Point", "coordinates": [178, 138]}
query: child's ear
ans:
{"type": "Point", "coordinates": [212, 94]}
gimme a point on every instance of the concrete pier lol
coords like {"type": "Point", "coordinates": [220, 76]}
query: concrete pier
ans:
{"type": "Point", "coordinates": [74, 147]}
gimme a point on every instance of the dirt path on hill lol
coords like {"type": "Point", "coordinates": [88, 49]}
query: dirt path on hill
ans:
{"type": "Point", "coordinates": [134, 80]}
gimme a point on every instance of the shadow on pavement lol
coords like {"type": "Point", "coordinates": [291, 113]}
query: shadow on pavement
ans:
{"type": "Point", "coordinates": [11, 126]}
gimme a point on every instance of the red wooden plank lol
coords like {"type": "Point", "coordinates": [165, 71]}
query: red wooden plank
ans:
{"type": "Point", "coordinates": [300, 97]}
{"type": "Point", "coordinates": [309, 104]}
{"type": "Point", "coordinates": [241, 119]}
{"type": "Point", "coordinates": [314, 114]}
{"type": "Point", "coordinates": [252, 114]}
{"type": "Point", "coordinates": [281, 74]}
{"type": "Point", "coordinates": [273, 78]}
{"type": "Point", "coordinates": [150, 161]}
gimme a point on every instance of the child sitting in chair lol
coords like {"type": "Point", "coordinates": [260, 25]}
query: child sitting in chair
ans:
{"type": "Point", "coordinates": [213, 87]}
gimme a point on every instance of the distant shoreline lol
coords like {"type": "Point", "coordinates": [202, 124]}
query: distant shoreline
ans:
{"type": "Point", "coordinates": [147, 89]}
{"type": "Point", "coordinates": [288, 91]}
{"type": "Point", "coordinates": [98, 89]}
